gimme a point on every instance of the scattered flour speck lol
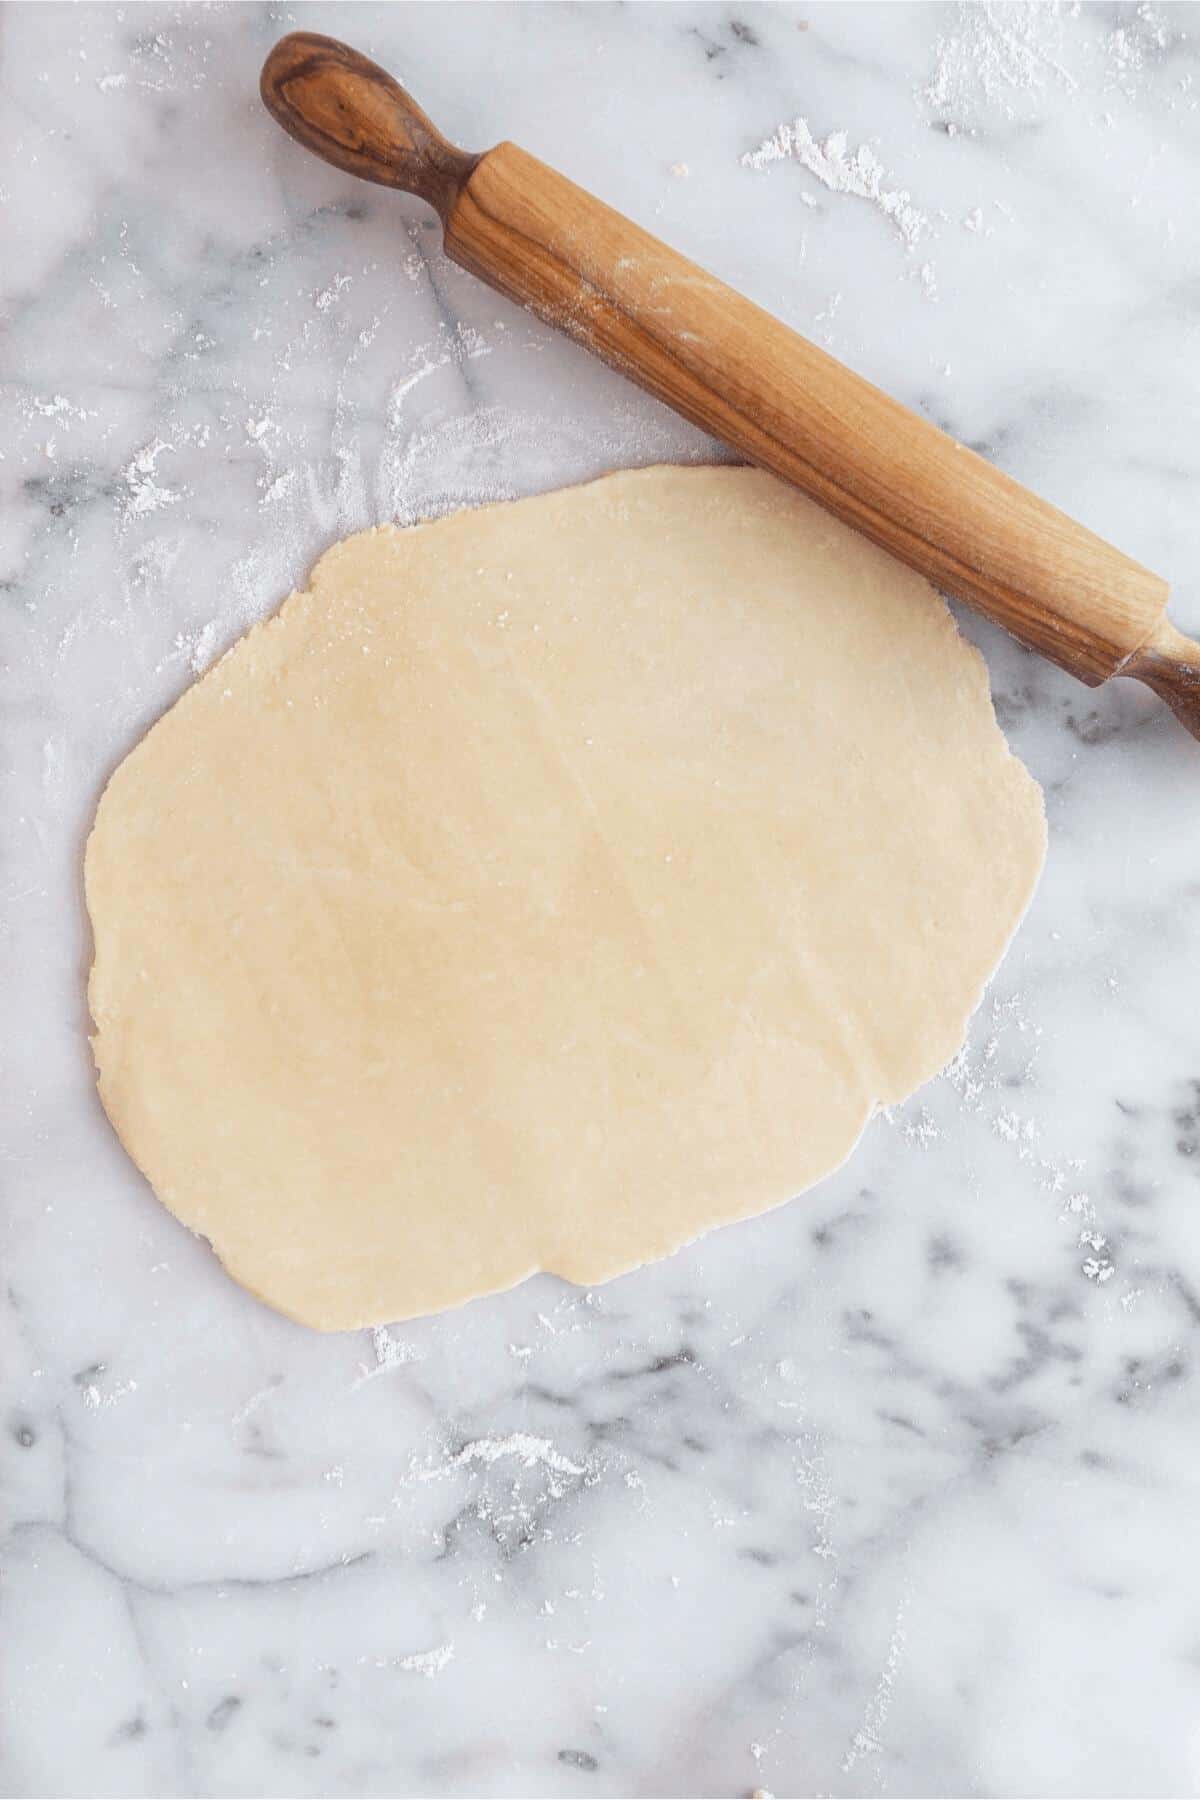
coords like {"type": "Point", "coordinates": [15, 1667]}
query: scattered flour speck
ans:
{"type": "Point", "coordinates": [426, 1662]}
{"type": "Point", "coordinates": [144, 492]}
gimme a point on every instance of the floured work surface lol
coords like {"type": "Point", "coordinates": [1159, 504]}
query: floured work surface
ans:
{"type": "Point", "coordinates": [546, 885]}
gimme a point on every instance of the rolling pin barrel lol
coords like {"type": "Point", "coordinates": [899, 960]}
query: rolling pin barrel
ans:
{"type": "Point", "coordinates": [743, 376]}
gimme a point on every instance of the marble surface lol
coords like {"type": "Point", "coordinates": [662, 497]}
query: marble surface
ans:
{"type": "Point", "coordinates": [894, 1491]}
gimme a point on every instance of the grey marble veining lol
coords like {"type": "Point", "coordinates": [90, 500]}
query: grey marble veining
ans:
{"type": "Point", "coordinates": [893, 1491]}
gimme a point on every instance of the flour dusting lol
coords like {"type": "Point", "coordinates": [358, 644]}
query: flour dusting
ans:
{"type": "Point", "coordinates": [59, 407]}
{"type": "Point", "coordinates": [868, 1739]}
{"type": "Point", "coordinates": [842, 171]}
{"type": "Point", "coordinates": [426, 1662]}
{"type": "Point", "coordinates": [1000, 51]}
{"type": "Point", "coordinates": [980, 1082]}
{"type": "Point", "coordinates": [529, 1452]}
{"type": "Point", "coordinates": [390, 1353]}
{"type": "Point", "coordinates": [203, 647]}
{"type": "Point", "coordinates": [998, 48]}
{"type": "Point", "coordinates": [94, 1396]}
{"type": "Point", "coordinates": [144, 492]}
{"type": "Point", "coordinates": [329, 296]}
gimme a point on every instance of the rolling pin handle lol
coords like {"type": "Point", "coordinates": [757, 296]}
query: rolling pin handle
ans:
{"type": "Point", "coordinates": [1169, 662]}
{"type": "Point", "coordinates": [352, 113]}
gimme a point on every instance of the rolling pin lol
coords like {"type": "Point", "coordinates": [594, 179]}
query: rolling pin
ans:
{"type": "Point", "coordinates": [741, 375]}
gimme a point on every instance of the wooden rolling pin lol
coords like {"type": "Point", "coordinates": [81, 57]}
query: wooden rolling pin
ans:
{"type": "Point", "coordinates": [737, 372]}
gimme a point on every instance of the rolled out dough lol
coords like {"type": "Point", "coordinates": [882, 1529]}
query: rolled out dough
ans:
{"type": "Point", "coordinates": [546, 885]}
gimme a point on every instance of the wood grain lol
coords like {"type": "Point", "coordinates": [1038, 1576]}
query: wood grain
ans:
{"type": "Point", "coordinates": [1169, 663]}
{"type": "Point", "coordinates": [739, 373]}
{"type": "Point", "coordinates": [352, 113]}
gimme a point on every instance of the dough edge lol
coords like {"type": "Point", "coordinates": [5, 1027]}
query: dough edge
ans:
{"type": "Point", "coordinates": [338, 1317]}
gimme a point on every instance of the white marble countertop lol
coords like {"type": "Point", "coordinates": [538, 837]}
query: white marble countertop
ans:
{"type": "Point", "coordinates": [893, 1491]}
